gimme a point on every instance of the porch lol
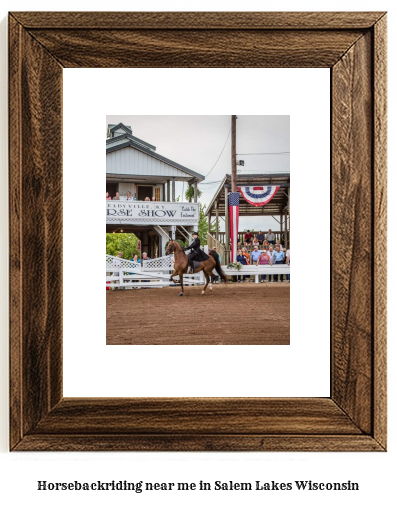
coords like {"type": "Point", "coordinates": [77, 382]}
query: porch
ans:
{"type": "Point", "coordinates": [277, 208]}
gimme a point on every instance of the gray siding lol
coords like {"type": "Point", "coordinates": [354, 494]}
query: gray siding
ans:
{"type": "Point", "coordinates": [131, 161]}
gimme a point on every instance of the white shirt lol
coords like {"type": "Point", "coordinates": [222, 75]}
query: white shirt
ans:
{"type": "Point", "coordinates": [271, 254]}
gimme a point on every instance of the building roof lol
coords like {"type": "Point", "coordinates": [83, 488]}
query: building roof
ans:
{"type": "Point", "coordinates": [128, 141]}
{"type": "Point", "coordinates": [112, 140]}
{"type": "Point", "coordinates": [126, 128]}
{"type": "Point", "coordinates": [276, 206]}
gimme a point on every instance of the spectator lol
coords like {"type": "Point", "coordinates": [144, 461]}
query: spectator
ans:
{"type": "Point", "coordinates": [278, 258]}
{"type": "Point", "coordinates": [147, 198]}
{"type": "Point", "coordinates": [270, 237]}
{"type": "Point", "coordinates": [246, 254]}
{"type": "Point", "coordinates": [255, 242]}
{"type": "Point", "coordinates": [153, 198]}
{"type": "Point", "coordinates": [108, 198]}
{"type": "Point", "coordinates": [264, 259]}
{"type": "Point", "coordinates": [219, 256]}
{"type": "Point", "coordinates": [135, 259]}
{"type": "Point", "coordinates": [116, 197]}
{"type": "Point", "coordinates": [280, 245]}
{"type": "Point", "coordinates": [243, 259]}
{"type": "Point", "coordinates": [248, 237]}
{"type": "Point", "coordinates": [265, 245]}
{"type": "Point", "coordinates": [271, 255]}
{"type": "Point", "coordinates": [288, 263]}
{"type": "Point", "coordinates": [255, 254]}
{"type": "Point", "coordinates": [260, 237]}
{"type": "Point", "coordinates": [145, 258]}
{"type": "Point", "coordinates": [129, 196]}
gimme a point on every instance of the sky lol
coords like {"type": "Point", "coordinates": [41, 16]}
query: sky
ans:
{"type": "Point", "coordinates": [196, 142]}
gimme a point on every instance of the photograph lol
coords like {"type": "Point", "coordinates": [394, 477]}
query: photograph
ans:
{"type": "Point", "coordinates": [197, 253]}
{"type": "Point", "coordinates": [198, 230]}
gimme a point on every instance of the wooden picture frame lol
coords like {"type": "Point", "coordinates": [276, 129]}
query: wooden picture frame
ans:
{"type": "Point", "coordinates": [353, 46]}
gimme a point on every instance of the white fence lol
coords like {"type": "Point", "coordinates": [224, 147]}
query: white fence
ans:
{"type": "Point", "coordinates": [153, 273]}
{"type": "Point", "coordinates": [276, 269]}
{"type": "Point", "coordinates": [156, 272]}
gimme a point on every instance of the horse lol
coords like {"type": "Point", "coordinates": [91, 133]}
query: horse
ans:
{"type": "Point", "coordinates": [181, 265]}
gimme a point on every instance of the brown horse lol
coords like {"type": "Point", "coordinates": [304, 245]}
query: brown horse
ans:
{"type": "Point", "coordinates": [181, 265]}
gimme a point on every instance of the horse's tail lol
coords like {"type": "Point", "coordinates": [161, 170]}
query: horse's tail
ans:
{"type": "Point", "coordinates": [218, 268]}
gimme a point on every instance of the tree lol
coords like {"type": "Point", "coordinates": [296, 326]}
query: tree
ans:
{"type": "Point", "coordinates": [122, 242]}
{"type": "Point", "coordinates": [203, 225]}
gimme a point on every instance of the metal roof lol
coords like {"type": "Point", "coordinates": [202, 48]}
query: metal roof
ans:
{"type": "Point", "coordinates": [130, 143]}
{"type": "Point", "coordinates": [274, 207]}
{"type": "Point", "coordinates": [111, 140]}
{"type": "Point", "coordinates": [113, 128]}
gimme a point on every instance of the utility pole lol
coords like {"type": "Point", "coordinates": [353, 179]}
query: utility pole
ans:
{"type": "Point", "coordinates": [234, 162]}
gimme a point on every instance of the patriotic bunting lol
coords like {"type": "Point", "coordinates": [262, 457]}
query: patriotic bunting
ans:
{"type": "Point", "coordinates": [258, 196]}
{"type": "Point", "coordinates": [234, 201]}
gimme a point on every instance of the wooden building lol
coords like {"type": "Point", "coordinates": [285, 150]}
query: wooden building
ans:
{"type": "Point", "coordinates": [137, 171]}
{"type": "Point", "coordinates": [278, 208]}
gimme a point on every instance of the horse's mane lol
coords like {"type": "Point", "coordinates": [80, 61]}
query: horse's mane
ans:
{"type": "Point", "coordinates": [177, 246]}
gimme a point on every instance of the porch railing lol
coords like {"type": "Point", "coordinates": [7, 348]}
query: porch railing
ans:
{"type": "Point", "coordinates": [221, 236]}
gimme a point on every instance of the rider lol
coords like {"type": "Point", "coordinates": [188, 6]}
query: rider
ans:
{"type": "Point", "coordinates": [196, 254]}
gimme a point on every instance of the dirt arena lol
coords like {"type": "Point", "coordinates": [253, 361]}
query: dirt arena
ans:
{"type": "Point", "coordinates": [233, 314]}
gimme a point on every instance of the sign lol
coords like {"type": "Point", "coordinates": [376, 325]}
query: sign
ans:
{"type": "Point", "coordinates": [152, 212]}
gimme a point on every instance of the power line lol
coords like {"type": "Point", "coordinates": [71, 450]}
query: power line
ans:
{"type": "Point", "coordinates": [261, 170]}
{"type": "Point", "coordinates": [266, 153]}
{"type": "Point", "coordinates": [209, 188]}
{"type": "Point", "coordinates": [209, 182]}
{"type": "Point", "coordinates": [221, 151]}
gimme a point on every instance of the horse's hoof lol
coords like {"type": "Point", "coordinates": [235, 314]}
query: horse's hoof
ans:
{"type": "Point", "coordinates": [210, 287]}
{"type": "Point", "coordinates": [180, 294]}
{"type": "Point", "coordinates": [202, 292]}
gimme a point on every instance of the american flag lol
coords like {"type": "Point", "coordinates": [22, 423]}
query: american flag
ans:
{"type": "Point", "coordinates": [234, 201]}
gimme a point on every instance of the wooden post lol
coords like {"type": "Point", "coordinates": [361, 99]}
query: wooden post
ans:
{"type": "Point", "coordinates": [190, 199]}
{"type": "Point", "coordinates": [281, 222]}
{"type": "Point", "coordinates": [227, 232]}
{"type": "Point", "coordinates": [234, 162]}
{"type": "Point", "coordinates": [195, 190]}
{"type": "Point", "coordinates": [173, 189]}
{"type": "Point", "coordinates": [216, 221]}
{"type": "Point", "coordinates": [168, 191]}
{"type": "Point", "coordinates": [285, 228]}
